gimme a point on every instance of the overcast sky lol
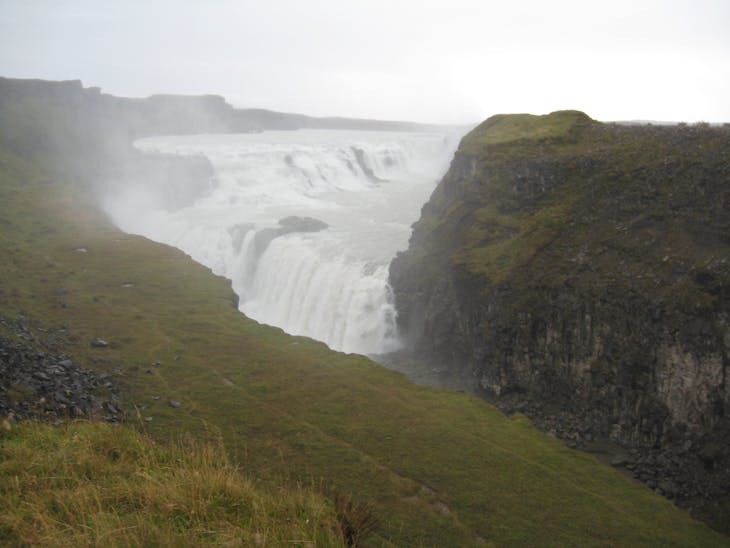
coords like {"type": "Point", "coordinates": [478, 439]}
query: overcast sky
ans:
{"type": "Point", "coordinates": [445, 61]}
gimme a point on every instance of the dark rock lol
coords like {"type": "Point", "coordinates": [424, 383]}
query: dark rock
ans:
{"type": "Point", "coordinates": [287, 225]}
{"type": "Point", "coordinates": [109, 408]}
{"type": "Point", "coordinates": [710, 453]}
{"type": "Point", "coordinates": [362, 163]}
{"type": "Point", "coordinates": [41, 376]}
{"type": "Point", "coordinates": [632, 349]}
{"type": "Point", "coordinates": [51, 386]}
{"type": "Point", "coordinates": [302, 224]}
{"type": "Point", "coordinates": [174, 403]}
{"type": "Point", "coordinates": [667, 488]}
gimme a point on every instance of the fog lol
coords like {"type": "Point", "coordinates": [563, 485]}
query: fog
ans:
{"type": "Point", "coordinates": [455, 62]}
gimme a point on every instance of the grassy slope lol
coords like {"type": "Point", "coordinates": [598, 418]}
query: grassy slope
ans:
{"type": "Point", "coordinates": [593, 218]}
{"type": "Point", "coordinates": [94, 484]}
{"type": "Point", "coordinates": [439, 468]}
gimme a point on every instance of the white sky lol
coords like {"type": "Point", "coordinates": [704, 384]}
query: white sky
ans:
{"type": "Point", "coordinates": [433, 61]}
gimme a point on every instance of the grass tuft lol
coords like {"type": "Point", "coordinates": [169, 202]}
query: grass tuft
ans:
{"type": "Point", "coordinates": [356, 519]}
{"type": "Point", "coordinates": [90, 484]}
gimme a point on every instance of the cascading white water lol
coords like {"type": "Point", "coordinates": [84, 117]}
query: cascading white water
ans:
{"type": "Point", "coordinates": [303, 222]}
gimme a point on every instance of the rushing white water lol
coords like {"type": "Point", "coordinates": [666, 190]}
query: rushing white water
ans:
{"type": "Point", "coordinates": [326, 281]}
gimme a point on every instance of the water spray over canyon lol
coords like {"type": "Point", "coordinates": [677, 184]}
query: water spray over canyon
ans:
{"type": "Point", "coordinates": [304, 223]}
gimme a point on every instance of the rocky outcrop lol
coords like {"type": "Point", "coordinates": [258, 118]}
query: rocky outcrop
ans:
{"type": "Point", "coordinates": [287, 225]}
{"type": "Point", "coordinates": [39, 383]}
{"type": "Point", "coordinates": [580, 272]}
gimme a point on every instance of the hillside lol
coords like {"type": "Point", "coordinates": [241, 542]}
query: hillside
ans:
{"type": "Point", "coordinates": [91, 484]}
{"type": "Point", "coordinates": [435, 468]}
{"type": "Point", "coordinates": [580, 272]}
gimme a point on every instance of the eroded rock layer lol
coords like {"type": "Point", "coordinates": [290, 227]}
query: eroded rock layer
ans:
{"type": "Point", "coordinates": [580, 272]}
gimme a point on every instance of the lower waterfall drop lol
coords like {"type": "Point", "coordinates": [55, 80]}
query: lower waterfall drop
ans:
{"type": "Point", "coordinates": [304, 223]}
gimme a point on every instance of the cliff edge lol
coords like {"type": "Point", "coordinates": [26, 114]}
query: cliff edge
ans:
{"type": "Point", "coordinates": [580, 272]}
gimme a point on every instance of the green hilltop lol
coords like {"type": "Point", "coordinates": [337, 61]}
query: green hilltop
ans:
{"type": "Point", "coordinates": [525, 190]}
{"type": "Point", "coordinates": [305, 426]}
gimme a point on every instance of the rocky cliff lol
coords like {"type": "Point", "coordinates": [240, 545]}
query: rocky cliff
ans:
{"type": "Point", "coordinates": [580, 272]}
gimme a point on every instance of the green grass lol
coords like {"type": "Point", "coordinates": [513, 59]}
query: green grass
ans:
{"type": "Point", "coordinates": [577, 200]}
{"type": "Point", "coordinates": [94, 484]}
{"type": "Point", "coordinates": [437, 468]}
{"type": "Point", "coordinates": [508, 128]}
{"type": "Point", "coordinates": [497, 243]}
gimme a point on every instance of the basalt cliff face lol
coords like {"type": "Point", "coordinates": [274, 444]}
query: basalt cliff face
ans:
{"type": "Point", "coordinates": [580, 272]}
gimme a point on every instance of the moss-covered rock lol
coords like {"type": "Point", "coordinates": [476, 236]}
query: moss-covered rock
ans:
{"type": "Point", "coordinates": [583, 267]}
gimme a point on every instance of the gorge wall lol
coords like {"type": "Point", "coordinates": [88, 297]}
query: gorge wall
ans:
{"type": "Point", "coordinates": [580, 272]}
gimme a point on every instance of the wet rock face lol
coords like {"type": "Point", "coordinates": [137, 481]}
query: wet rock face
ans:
{"type": "Point", "coordinates": [644, 379]}
{"type": "Point", "coordinates": [584, 280]}
{"type": "Point", "coordinates": [584, 379]}
{"type": "Point", "coordinates": [691, 385]}
{"type": "Point", "coordinates": [41, 385]}
{"type": "Point", "coordinates": [287, 225]}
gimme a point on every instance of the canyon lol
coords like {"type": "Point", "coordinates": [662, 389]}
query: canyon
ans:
{"type": "Point", "coordinates": [579, 272]}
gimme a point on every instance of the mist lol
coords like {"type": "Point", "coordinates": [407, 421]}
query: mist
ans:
{"type": "Point", "coordinates": [304, 223]}
{"type": "Point", "coordinates": [455, 62]}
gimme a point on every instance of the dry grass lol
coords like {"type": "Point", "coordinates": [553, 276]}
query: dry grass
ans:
{"type": "Point", "coordinates": [94, 484]}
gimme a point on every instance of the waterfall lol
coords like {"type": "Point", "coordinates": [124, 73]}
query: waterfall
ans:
{"type": "Point", "coordinates": [304, 223]}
